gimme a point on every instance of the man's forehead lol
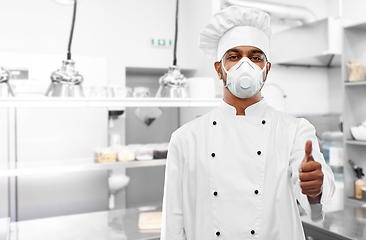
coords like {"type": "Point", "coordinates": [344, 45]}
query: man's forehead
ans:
{"type": "Point", "coordinates": [241, 49]}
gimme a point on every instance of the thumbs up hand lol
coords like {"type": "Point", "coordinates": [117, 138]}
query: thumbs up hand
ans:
{"type": "Point", "coordinates": [311, 176]}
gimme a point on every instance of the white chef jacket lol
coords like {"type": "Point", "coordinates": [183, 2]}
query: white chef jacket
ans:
{"type": "Point", "coordinates": [232, 177]}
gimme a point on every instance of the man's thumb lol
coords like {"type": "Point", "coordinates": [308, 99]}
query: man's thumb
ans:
{"type": "Point", "coordinates": [308, 149]}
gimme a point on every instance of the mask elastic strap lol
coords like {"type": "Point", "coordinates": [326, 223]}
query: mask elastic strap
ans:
{"type": "Point", "coordinates": [222, 64]}
{"type": "Point", "coordinates": [261, 73]}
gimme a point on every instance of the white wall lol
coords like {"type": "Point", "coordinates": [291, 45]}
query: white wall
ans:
{"type": "Point", "coordinates": [3, 161]}
{"type": "Point", "coordinates": [335, 90]}
{"type": "Point", "coordinates": [318, 7]}
{"type": "Point", "coordinates": [353, 11]}
{"type": "Point", "coordinates": [43, 27]}
{"type": "Point", "coordinates": [306, 88]}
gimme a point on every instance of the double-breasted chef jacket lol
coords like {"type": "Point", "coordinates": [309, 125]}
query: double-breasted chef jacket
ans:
{"type": "Point", "coordinates": [236, 177]}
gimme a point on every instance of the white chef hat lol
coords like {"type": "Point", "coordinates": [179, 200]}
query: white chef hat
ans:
{"type": "Point", "coordinates": [235, 26]}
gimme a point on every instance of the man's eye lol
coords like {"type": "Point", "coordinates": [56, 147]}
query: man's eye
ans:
{"type": "Point", "coordinates": [257, 58]}
{"type": "Point", "coordinates": [233, 57]}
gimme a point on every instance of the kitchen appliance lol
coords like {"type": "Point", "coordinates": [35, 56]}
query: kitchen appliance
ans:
{"type": "Point", "coordinates": [173, 84]}
{"type": "Point", "coordinates": [66, 82]}
{"type": "Point", "coordinates": [5, 88]}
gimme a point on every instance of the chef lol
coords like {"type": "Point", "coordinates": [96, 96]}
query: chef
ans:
{"type": "Point", "coordinates": [238, 171]}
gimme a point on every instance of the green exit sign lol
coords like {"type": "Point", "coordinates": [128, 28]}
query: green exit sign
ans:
{"type": "Point", "coordinates": [161, 42]}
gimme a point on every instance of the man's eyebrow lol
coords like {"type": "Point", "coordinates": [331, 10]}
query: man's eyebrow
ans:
{"type": "Point", "coordinates": [232, 50]}
{"type": "Point", "coordinates": [256, 51]}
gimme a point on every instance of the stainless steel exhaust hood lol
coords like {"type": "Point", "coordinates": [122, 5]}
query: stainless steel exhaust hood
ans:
{"type": "Point", "coordinates": [316, 44]}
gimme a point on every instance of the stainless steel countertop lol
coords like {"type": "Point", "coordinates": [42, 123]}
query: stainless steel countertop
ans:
{"type": "Point", "coordinates": [345, 224]}
{"type": "Point", "coordinates": [116, 224]}
{"type": "Point", "coordinates": [123, 225]}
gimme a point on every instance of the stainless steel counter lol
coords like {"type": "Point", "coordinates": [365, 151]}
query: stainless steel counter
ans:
{"type": "Point", "coordinates": [123, 225]}
{"type": "Point", "coordinates": [117, 224]}
{"type": "Point", "coordinates": [344, 224]}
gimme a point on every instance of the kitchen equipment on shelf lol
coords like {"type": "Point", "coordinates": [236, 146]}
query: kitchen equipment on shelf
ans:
{"type": "Point", "coordinates": [161, 151]}
{"type": "Point", "coordinates": [145, 152]}
{"type": "Point", "coordinates": [356, 71]}
{"type": "Point", "coordinates": [5, 88]}
{"type": "Point", "coordinates": [141, 92]}
{"type": "Point", "coordinates": [333, 148]}
{"type": "Point", "coordinates": [333, 152]}
{"type": "Point", "coordinates": [66, 82]}
{"type": "Point", "coordinates": [173, 84]}
{"type": "Point", "coordinates": [105, 155]}
{"type": "Point", "coordinates": [116, 91]}
{"type": "Point", "coordinates": [359, 132]}
{"type": "Point", "coordinates": [359, 183]}
{"type": "Point", "coordinates": [116, 182]}
{"type": "Point", "coordinates": [126, 154]}
{"type": "Point", "coordinates": [148, 114]}
{"type": "Point", "coordinates": [131, 152]}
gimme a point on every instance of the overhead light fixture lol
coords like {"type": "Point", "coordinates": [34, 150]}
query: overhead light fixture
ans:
{"type": "Point", "coordinates": [66, 81]}
{"type": "Point", "coordinates": [173, 84]}
{"type": "Point", "coordinates": [5, 87]}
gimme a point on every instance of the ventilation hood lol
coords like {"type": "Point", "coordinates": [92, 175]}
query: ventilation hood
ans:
{"type": "Point", "coordinates": [315, 44]}
{"type": "Point", "coordinates": [276, 9]}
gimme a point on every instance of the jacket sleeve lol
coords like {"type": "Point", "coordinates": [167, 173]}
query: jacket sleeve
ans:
{"type": "Point", "coordinates": [172, 216]}
{"type": "Point", "coordinates": [306, 131]}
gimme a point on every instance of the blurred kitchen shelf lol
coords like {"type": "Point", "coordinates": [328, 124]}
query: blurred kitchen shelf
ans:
{"type": "Point", "coordinates": [355, 142]}
{"type": "Point", "coordinates": [327, 33]}
{"type": "Point", "coordinates": [76, 165]}
{"type": "Point", "coordinates": [360, 83]}
{"type": "Point", "coordinates": [355, 25]}
{"type": "Point", "coordinates": [40, 102]}
{"type": "Point", "coordinates": [352, 201]}
{"type": "Point", "coordinates": [151, 70]}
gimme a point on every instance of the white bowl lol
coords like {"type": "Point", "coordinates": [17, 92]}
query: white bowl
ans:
{"type": "Point", "coordinates": [359, 133]}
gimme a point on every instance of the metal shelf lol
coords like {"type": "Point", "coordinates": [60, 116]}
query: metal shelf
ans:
{"type": "Point", "coordinates": [352, 201]}
{"type": "Point", "coordinates": [76, 165]}
{"type": "Point", "coordinates": [356, 142]}
{"type": "Point", "coordinates": [43, 102]}
{"type": "Point", "coordinates": [355, 83]}
{"type": "Point", "coordinates": [361, 25]}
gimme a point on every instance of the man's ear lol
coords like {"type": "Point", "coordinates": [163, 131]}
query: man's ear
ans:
{"type": "Point", "coordinates": [269, 65]}
{"type": "Point", "coordinates": [218, 69]}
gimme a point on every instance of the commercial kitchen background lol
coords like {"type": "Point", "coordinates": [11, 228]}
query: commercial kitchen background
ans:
{"type": "Point", "coordinates": [112, 46]}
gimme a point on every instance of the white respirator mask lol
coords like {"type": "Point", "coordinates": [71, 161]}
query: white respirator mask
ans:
{"type": "Point", "coordinates": [244, 79]}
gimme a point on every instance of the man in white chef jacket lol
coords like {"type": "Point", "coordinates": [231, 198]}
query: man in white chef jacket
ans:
{"type": "Point", "coordinates": [236, 172]}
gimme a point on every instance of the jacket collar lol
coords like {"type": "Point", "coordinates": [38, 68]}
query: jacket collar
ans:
{"type": "Point", "coordinates": [255, 110]}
